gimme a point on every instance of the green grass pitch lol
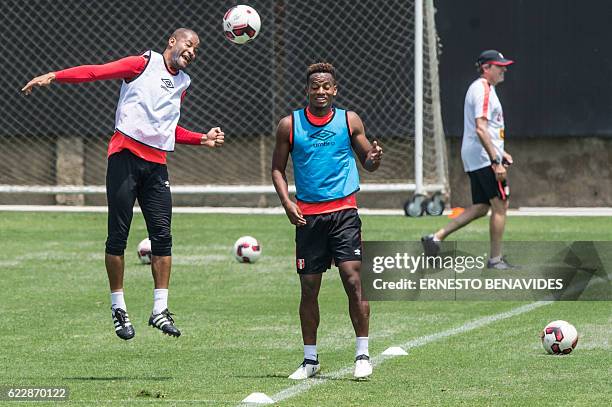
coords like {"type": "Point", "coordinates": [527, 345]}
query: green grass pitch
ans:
{"type": "Point", "coordinates": [241, 327]}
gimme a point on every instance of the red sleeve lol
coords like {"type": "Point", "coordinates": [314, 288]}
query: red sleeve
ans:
{"type": "Point", "coordinates": [125, 68]}
{"type": "Point", "coordinates": [184, 136]}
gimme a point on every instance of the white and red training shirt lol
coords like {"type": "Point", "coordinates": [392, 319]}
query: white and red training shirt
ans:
{"type": "Point", "coordinates": [127, 69]}
{"type": "Point", "coordinates": [481, 101]}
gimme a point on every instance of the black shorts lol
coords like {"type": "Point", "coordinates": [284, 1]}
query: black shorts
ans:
{"type": "Point", "coordinates": [334, 235]}
{"type": "Point", "coordinates": [486, 187]}
{"type": "Point", "coordinates": [130, 178]}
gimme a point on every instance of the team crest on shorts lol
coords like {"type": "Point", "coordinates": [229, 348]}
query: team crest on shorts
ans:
{"type": "Point", "coordinates": [301, 264]}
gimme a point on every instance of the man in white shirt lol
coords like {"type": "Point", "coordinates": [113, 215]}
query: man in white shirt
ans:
{"type": "Point", "coordinates": [484, 158]}
{"type": "Point", "coordinates": [146, 129]}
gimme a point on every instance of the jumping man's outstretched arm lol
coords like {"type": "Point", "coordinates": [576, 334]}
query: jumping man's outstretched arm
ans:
{"type": "Point", "coordinates": [124, 68]}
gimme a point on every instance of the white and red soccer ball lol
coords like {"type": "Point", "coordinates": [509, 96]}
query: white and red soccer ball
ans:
{"type": "Point", "coordinates": [247, 249]}
{"type": "Point", "coordinates": [241, 24]}
{"type": "Point", "coordinates": [144, 251]}
{"type": "Point", "coordinates": [559, 338]}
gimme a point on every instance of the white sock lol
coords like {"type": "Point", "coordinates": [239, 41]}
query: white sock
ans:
{"type": "Point", "coordinates": [310, 352]}
{"type": "Point", "coordinates": [435, 238]}
{"type": "Point", "coordinates": [361, 346]}
{"type": "Point", "coordinates": [160, 300]}
{"type": "Point", "coordinates": [495, 259]}
{"type": "Point", "coordinates": [117, 300]}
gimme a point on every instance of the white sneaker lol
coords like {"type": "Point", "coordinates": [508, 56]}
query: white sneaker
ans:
{"type": "Point", "coordinates": [307, 369]}
{"type": "Point", "coordinates": [363, 367]}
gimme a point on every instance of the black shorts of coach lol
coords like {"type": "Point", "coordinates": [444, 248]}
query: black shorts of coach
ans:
{"type": "Point", "coordinates": [485, 186]}
{"type": "Point", "coordinates": [130, 178]}
{"type": "Point", "coordinates": [325, 237]}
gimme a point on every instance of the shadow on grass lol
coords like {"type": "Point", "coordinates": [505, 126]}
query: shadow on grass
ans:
{"type": "Point", "coordinates": [116, 378]}
{"type": "Point", "coordinates": [262, 376]}
{"type": "Point", "coordinates": [284, 377]}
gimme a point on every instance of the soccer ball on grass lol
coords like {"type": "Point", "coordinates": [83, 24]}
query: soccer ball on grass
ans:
{"type": "Point", "coordinates": [247, 249]}
{"type": "Point", "coordinates": [559, 337]}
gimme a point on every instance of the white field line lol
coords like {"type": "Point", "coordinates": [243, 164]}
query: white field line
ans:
{"type": "Point", "coordinates": [147, 400]}
{"type": "Point", "coordinates": [306, 385]}
{"type": "Point", "coordinates": [279, 210]}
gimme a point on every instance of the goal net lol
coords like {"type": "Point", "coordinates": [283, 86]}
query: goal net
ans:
{"type": "Point", "coordinates": [55, 140]}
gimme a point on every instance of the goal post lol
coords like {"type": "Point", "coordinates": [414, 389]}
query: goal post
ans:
{"type": "Point", "coordinates": [418, 96]}
{"type": "Point", "coordinates": [385, 53]}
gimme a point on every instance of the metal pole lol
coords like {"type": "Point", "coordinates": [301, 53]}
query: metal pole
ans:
{"type": "Point", "coordinates": [418, 95]}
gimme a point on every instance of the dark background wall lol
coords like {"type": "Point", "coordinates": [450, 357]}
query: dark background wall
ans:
{"type": "Point", "coordinates": [557, 98]}
{"type": "Point", "coordinates": [561, 84]}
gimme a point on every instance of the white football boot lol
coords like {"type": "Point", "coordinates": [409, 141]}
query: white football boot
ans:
{"type": "Point", "coordinates": [307, 369]}
{"type": "Point", "coordinates": [363, 367]}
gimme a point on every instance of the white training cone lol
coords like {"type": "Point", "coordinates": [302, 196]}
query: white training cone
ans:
{"type": "Point", "coordinates": [395, 351]}
{"type": "Point", "coordinates": [258, 398]}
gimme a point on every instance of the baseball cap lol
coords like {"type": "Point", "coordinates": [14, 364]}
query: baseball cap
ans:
{"type": "Point", "coordinates": [493, 57]}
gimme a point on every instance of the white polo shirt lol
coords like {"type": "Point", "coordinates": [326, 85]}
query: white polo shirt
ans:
{"type": "Point", "coordinates": [149, 106]}
{"type": "Point", "coordinates": [481, 101]}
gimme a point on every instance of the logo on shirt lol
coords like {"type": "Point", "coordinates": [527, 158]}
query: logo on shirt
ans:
{"type": "Point", "coordinates": [167, 184]}
{"type": "Point", "coordinates": [168, 83]}
{"type": "Point", "coordinates": [323, 136]}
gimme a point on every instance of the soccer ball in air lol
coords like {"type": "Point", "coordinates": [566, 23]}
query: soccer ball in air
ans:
{"type": "Point", "coordinates": [247, 249]}
{"type": "Point", "coordinates": [241, 24]}
{"type": "Point", "coordinates": [144, 251]}
{"type": "Point", "coordinates": [559, 337]}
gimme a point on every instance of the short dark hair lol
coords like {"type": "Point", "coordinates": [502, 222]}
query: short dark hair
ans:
{"type": "Point", "coordinates": [180, 32]}
{"type": "Point", "coordinates": [321, 67]}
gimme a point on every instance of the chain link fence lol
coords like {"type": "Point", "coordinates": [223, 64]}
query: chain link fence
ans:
{"type": "Point", "coordinates": [64, 129]}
